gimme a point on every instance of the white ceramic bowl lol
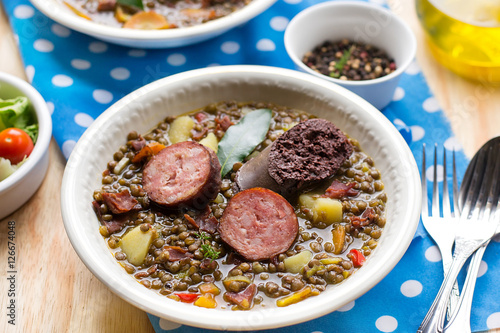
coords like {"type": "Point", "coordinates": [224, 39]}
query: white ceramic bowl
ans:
{"type": "Point", "coordinates": [56, 10]}
{"type": "Point", "coordinates": [360, 22]}
{"type": "Point", "coordinates": [16, 189]}
{"type": "Point", "coordinates": [144, 108]}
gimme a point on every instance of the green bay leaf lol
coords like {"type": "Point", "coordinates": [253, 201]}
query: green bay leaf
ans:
{"type": "Point", "coordinates": [242, 138]}
{"type": "Point", "coordinates": [132, 3]}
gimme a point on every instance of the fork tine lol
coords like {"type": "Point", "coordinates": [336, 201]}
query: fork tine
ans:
{"type": "Point", "coordinates": [470, 194]}
{"type": "Point", "coordinates": [435, 189]}
{"type": "Point", "coordinates": [492, 196]}
{"type": "Point", "coordinates": [456, 208]}
{"type": "Point", "coordinates": [425, 203]}
{"type": "Point", "coordinates": [446, 193]}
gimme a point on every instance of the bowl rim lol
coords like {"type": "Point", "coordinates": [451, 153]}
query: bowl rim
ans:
{"type": "Point", "coordinates": [66, 18]}
{"type": "Point", "coordinates": [276, 317]}
{"type": "Point", "coordinates": [358, 5]}
{"type": "Point", "coordinates": [44, 129]}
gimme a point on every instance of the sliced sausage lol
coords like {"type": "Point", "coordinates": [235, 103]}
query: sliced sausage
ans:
{"type": "Point", "coordinates": [258, 224]}
{"type": "Point", "coordinates": [309, 152]}
{"type": "Point", "coordinates": [183, 174]}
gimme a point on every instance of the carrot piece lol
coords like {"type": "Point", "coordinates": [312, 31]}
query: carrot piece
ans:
{"type": "Point", "coordinates": [147, 21]}
{"type": "Point", "coordinates": [149, 150]}
{"type": "Point", "coordinates": [199, 13]}
{"type": "Point", "coordinates": [120, 15]}
{"type": "Point", "coordinates": [206, 301]}
{"type": "Point", "coordinates": [77, 11]}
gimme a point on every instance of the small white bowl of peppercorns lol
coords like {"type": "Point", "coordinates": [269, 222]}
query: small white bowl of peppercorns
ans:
{"type": "Point", "coordinates": [360, 46]}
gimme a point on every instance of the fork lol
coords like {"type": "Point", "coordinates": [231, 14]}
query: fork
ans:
{"type": "Point", "coordinates": [441, 228]}
{"type": "Point", "coordinates": [474, 229]}
{"type": "Point", "coordinates": [460, 321]}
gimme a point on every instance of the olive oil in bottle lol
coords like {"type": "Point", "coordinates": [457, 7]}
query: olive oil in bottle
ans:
{"type": "Point", "coordinates": [464, 35]}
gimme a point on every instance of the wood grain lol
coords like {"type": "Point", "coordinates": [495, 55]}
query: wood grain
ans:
{"type": "Point", "coordinates": [57, 293]}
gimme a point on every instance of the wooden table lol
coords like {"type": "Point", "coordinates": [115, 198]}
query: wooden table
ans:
{"type": "Point", "coordinates": [57, 293]}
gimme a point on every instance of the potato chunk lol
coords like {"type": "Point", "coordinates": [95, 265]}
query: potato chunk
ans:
{"type": "Point", "coordinates": [135, 244]}
{"type": "Point", "coordinates": [180, 129]}
{"type": "Point", "coordinates": [210, 141]}
{"type": "Point", "coordinates": [325, 210]}
{"type": "Point", "coordinates": [295, 263]}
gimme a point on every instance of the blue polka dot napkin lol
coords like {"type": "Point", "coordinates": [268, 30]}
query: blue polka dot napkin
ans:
{"type": "Point", "coordinates": [80, 77]}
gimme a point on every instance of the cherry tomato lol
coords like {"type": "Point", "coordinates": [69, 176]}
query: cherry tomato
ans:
{"type": "Point", "coordinates": [15, 144]}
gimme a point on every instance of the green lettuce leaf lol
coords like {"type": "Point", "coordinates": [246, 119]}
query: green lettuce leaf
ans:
{"type": "Point", "coordinates": [15, 113]}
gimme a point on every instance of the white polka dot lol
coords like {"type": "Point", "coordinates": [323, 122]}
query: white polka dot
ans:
{"type": "Point", "coordinates": [23, 12]}
{"type": "Point", "coordinates": [493, 320]}
{"type": "Point", "coordinates": [230, 47]}
{"type": "Point", "coordinates": [429, 173]}
{"type": "Point", "coordinates": [168, 325]}
{"type": "Point", "coordinates": [279, 23]}
{"type": "Point", "coordinates": [432, 254]}
{"type": "Point", "coordinates": [386, 324]}
{"type": "Point", "coordinates": [62, 80]}
{"type": "Point", "coordinates": [30, 72]}
{"type": "Point", "coordinates": [292, 2]}
{"type": "Point", "coordinates": [120, 73]}
{"type": "Point", "coordinates": [266, 45]}
{"type": "Point", "coordinates": [417, 133]}
{"type": "Point", "coordinates": [83, 119]}
{"type": "Point", "coordinates": [399, 122]}
{"type": "Point", "coordinates": [411, 288]}
{"type": "Point", "coordinates": [51, 107]}
{"type": "Point", "coordinates": [346, 307]}
{"type": "Point", "coordinates": [60, 31]}
{"type": "Point", "coordinates": [176, 59]}
{"type": "Point", "coordinates": [452, 144]}
{"type": "Point", "coordinates": [80, 64]}
{"type": "Point", "coordinates": [98, 47]}
{"type": "Point", "coordinates": [483, 268]}
{"type": "Point", "coordinates": [43, 45]}
{"type": "Point", "coordinates": [413, 68]}
{"type": "Point", "coordinates": [67, 148]}
{"type": "Point", "coordinates": [137, 53]}
{"type": "Point", "coordinates": [399, 93]}
{"type": "Point", "coordinates": [102, 96]}
{"type": "Point", "coordinates": [431, 105]}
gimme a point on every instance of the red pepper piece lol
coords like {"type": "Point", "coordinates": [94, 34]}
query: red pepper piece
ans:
{"type": "Point", "coordinates": [356, 257]}
{"type": "Point", "coordinates": [186, 297]}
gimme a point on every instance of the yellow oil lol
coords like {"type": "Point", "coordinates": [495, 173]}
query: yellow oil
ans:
{"type": "Point", "coordinates": [464, 35]}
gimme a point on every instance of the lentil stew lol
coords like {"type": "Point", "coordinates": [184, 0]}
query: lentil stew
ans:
{"type": "Point", "coordinates": [153, 14]}
{"type": "Point", "coordinates": [180, 253]}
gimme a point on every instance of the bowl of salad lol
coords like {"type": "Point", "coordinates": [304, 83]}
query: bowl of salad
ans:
{"type": "Point", "coordinates": [25, 132]}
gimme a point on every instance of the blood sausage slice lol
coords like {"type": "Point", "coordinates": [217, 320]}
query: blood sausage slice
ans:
{"type": "Point", "coordinates": [183, 174]}
{"type": "Point", "coordinates": [258, 224]}
{"type": "Point", "coordinates": [309, 152]}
